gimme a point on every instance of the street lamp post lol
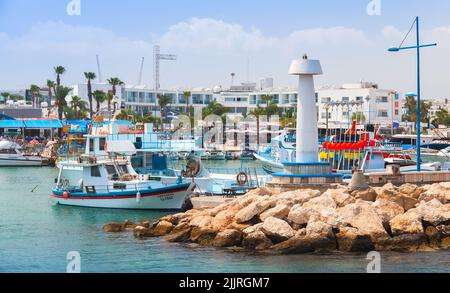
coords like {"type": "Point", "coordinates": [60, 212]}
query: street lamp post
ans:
{"type": "Point", "coordinates": [417, 47]}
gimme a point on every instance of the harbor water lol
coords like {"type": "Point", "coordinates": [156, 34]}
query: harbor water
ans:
{"type": "Point", "coordinates": [36, 237]}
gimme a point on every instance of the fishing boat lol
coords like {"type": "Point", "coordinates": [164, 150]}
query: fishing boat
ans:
{"type": "Point", "coordinates": [229, 156]}
{"type": "Point", "coordinates": [247, 156]}
{"type": "Point", "coordinates": [104, 178]}
{"type": "Point", "coordinates": [217, 156]}
{"type": "Point", "coordinates": [11, 155]}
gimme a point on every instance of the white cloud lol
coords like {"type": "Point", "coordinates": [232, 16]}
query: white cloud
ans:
{"type": "Point", "coordinates": [212, 34]}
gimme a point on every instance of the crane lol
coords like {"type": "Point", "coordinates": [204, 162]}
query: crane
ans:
{"type": "Point", "coordinates": [140, 71]}
{"type": "Point", "coordinates": [157, 58]}
{"type": "Point", "coordinates": [99, 70]}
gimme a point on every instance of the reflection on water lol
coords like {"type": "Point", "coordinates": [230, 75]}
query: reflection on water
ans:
{"type": "Point", "coordinates": [36, 237]}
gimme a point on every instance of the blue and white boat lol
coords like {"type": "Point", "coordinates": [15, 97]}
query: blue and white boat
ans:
{"type": "Point", "coordinates": [104, 178]}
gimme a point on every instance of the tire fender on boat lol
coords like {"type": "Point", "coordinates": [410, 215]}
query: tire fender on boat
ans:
{"type": "Point", "coordinates": [138, 197]}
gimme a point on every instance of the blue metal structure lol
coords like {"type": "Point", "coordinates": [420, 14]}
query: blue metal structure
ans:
{"type": "Point", "coordinates": [417, 47]}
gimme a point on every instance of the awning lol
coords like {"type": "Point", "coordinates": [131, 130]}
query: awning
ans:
{"type": "Point", "coordinates": [124, 147]}
{"type": "Point", "coordinates": [11, 124]}
{"type": "Point", "coordinates": [42, 124]}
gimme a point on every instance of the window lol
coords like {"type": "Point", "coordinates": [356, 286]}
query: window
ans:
{"type": "Point", "coordinates": [359, 99]}
{"type": "Point", "coordinates": [382, 100]}
{"type": "Point", "coordinates": [102, 144]}
{"type": "Point", "coordinates": [123, 169]}
{"type": "Point", "coordinates": [91, 145]}
{"type": "Point", "coordinates": [382, 114]}
{"type": "Point", "coordinates": [111, 170]}
{"type": "Point", "coordinates": [95, 171]}
{"type": "Point", "coordinates": [325, 100]}
{"type": "Point", "coordinates": [345, 99]}
{"type": "Point", "coordinates": [396, 112]}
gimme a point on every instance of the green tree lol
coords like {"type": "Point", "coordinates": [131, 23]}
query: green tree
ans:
{"type": "Point", "coordinates": [126, 114]}
{"type": "Point", "coordinates": [78, 106]}
{"type": "Point", "coordinates": [114, 82]}
{"type": "Point", "coordinates": [163, 102]}
{"type": "Point", "coordinates": [358, 117]}
{"type": "Point", "coordinates": [99, 97]}
{"type": "Point", "coordinates": [61, 94]}
{"type": "Point", "coordinates": [50, 89]}
{"type": "Point", "coordinates": [5, 96]}
{"type": "Point", "coordinates": [257, 113]}
{"type": "Point", "coordinates": [35, 94]}
{"type": "Point", "coordinates": [109, 98]}
{"type": "Point", "coordinates": [442, 118]}
{"type": "Point", "coordinates": [59, 70]}
{"type": "Point", "coordinates": [90, 76]}
{"type": "Point", "coordinates": [411, 108]}
{"type": "Point", "coordinates": [214, 108]}
{"type": "Point", "coordinates": [15, 98]}
{"type": "Point", "coordinates": [187, 95]}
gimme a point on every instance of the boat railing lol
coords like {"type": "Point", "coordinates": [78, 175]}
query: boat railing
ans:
{"type": "Point", "coordinates": [106, 189]}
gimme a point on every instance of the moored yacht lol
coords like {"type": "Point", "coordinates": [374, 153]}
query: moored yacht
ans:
{"type": "Point", "coordinates": [12, 156]}
{"type": "Point", "coordinates": [104, 178]}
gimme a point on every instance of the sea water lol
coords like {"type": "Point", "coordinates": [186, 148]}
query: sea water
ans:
{"type": "Point", "coordinates": [36, 236]}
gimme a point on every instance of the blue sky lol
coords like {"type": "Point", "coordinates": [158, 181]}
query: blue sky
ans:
{"type": "Point", "coordinates": [214, 38]}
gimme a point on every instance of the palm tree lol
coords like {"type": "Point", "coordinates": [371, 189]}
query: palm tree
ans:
{"type": "Point", "coordinates": [214, 108]}
{"type": "Point", "coordinates": [77, 105]}
{"type": "Point", "coordinates": [35, 93]}
{"type": "Point", "coordinates": [61, 94]}
{"type": "Point", "coordinates": [59, 70]}
{"type": "Point", "coordinates": [163, 102]}
{"type": "Point", "coordinates": [187, 95]}
{"type": "Point", "coordinates": [99, 97]}
{"type": "Point", "coordinates": [5, 95]}
{"type": "Point", "coordinates": [90, 76]}
{"type": "Point", "coordinates": [126, 114]}
{"type": "Point", "coordinates": [257, 112]}
{"type": "Point", "coordinates": [109, 98]}
{"type": "Point", "coordinates": [114, 81]}
{"type": "Point", "coordinates": [50, 85]}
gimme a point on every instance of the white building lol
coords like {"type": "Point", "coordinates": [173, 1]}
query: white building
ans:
{"type": "Point", "coordinates": [379, 106]}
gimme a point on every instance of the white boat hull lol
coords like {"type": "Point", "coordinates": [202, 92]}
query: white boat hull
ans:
{"type": "Point", "coordinates": [165, 200]}
{"type": "Point", "coordinates": [21, 162]}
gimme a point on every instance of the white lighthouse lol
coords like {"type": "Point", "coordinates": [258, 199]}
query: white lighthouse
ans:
{"type": "Point", "coordinates": [307, 171]}
{"type": "Point", "coordinates": [307, 135]}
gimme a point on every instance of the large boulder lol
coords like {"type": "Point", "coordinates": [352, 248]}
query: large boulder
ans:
{"type": "Point", "coordinates": [113, 228]}
{"type": "Point", "coordinates": [411, 190]}
{"type": "Point", "coordinates": [433, 236]}
{"type": "Point", "coordinates": [352, 240]}
{"type": "Point", "coordinates": [300, 215]}
{"type": "Point", "coordinates": [391, 194]}
{"type": "Point", "coordinates": [227, 238]}
{"type": "Point", "coordinates": [298, 196]}
{"type": "Point", "coordinates": [254, 209]}
{"type": "Point", "coordinates": [256, 241]}
{"type": "Point", "coordinates": [368, 194]}
{"type": "Point", "coordinates": [439, 191]}
{"type": "Point", "coordinates": [363, 216]}
{"type": "Point", "coordinates": [340, 196]}
{"type": "Point", "coordinates": [280, 211]}
{"type": "Point", "coordinates": [163, 228]}
{"type": "Point", "coordinates": [387, 210]}
{"type": "Point", "coordinates": [141, 232]}
{"type": "Point", "coordinates": [181, 233]}
{"type": "Point", "coordinates": [407, 223]}
{"type": "Point", "coordinates": [319, 229]}
{"type": "Point", "coordinates": [434, 212]}
{"type": "Point", "coordinates": [325, 200]}
{"type": "Point", "coordinates": [253, 229]}
{"type": "Point", "coordinates": [305, 244]}
{"type": "Point", "coordinates": [401, 243]}
{"type": "Point", "coordinates": [277, 230]}
{"type": "Point", "coordinates": [201, 221]}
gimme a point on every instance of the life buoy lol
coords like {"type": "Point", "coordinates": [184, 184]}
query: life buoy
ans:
{"type": "Point", "coordinates": [242, 178]}
{"type": "Point", "coordinates": [66, 195]}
